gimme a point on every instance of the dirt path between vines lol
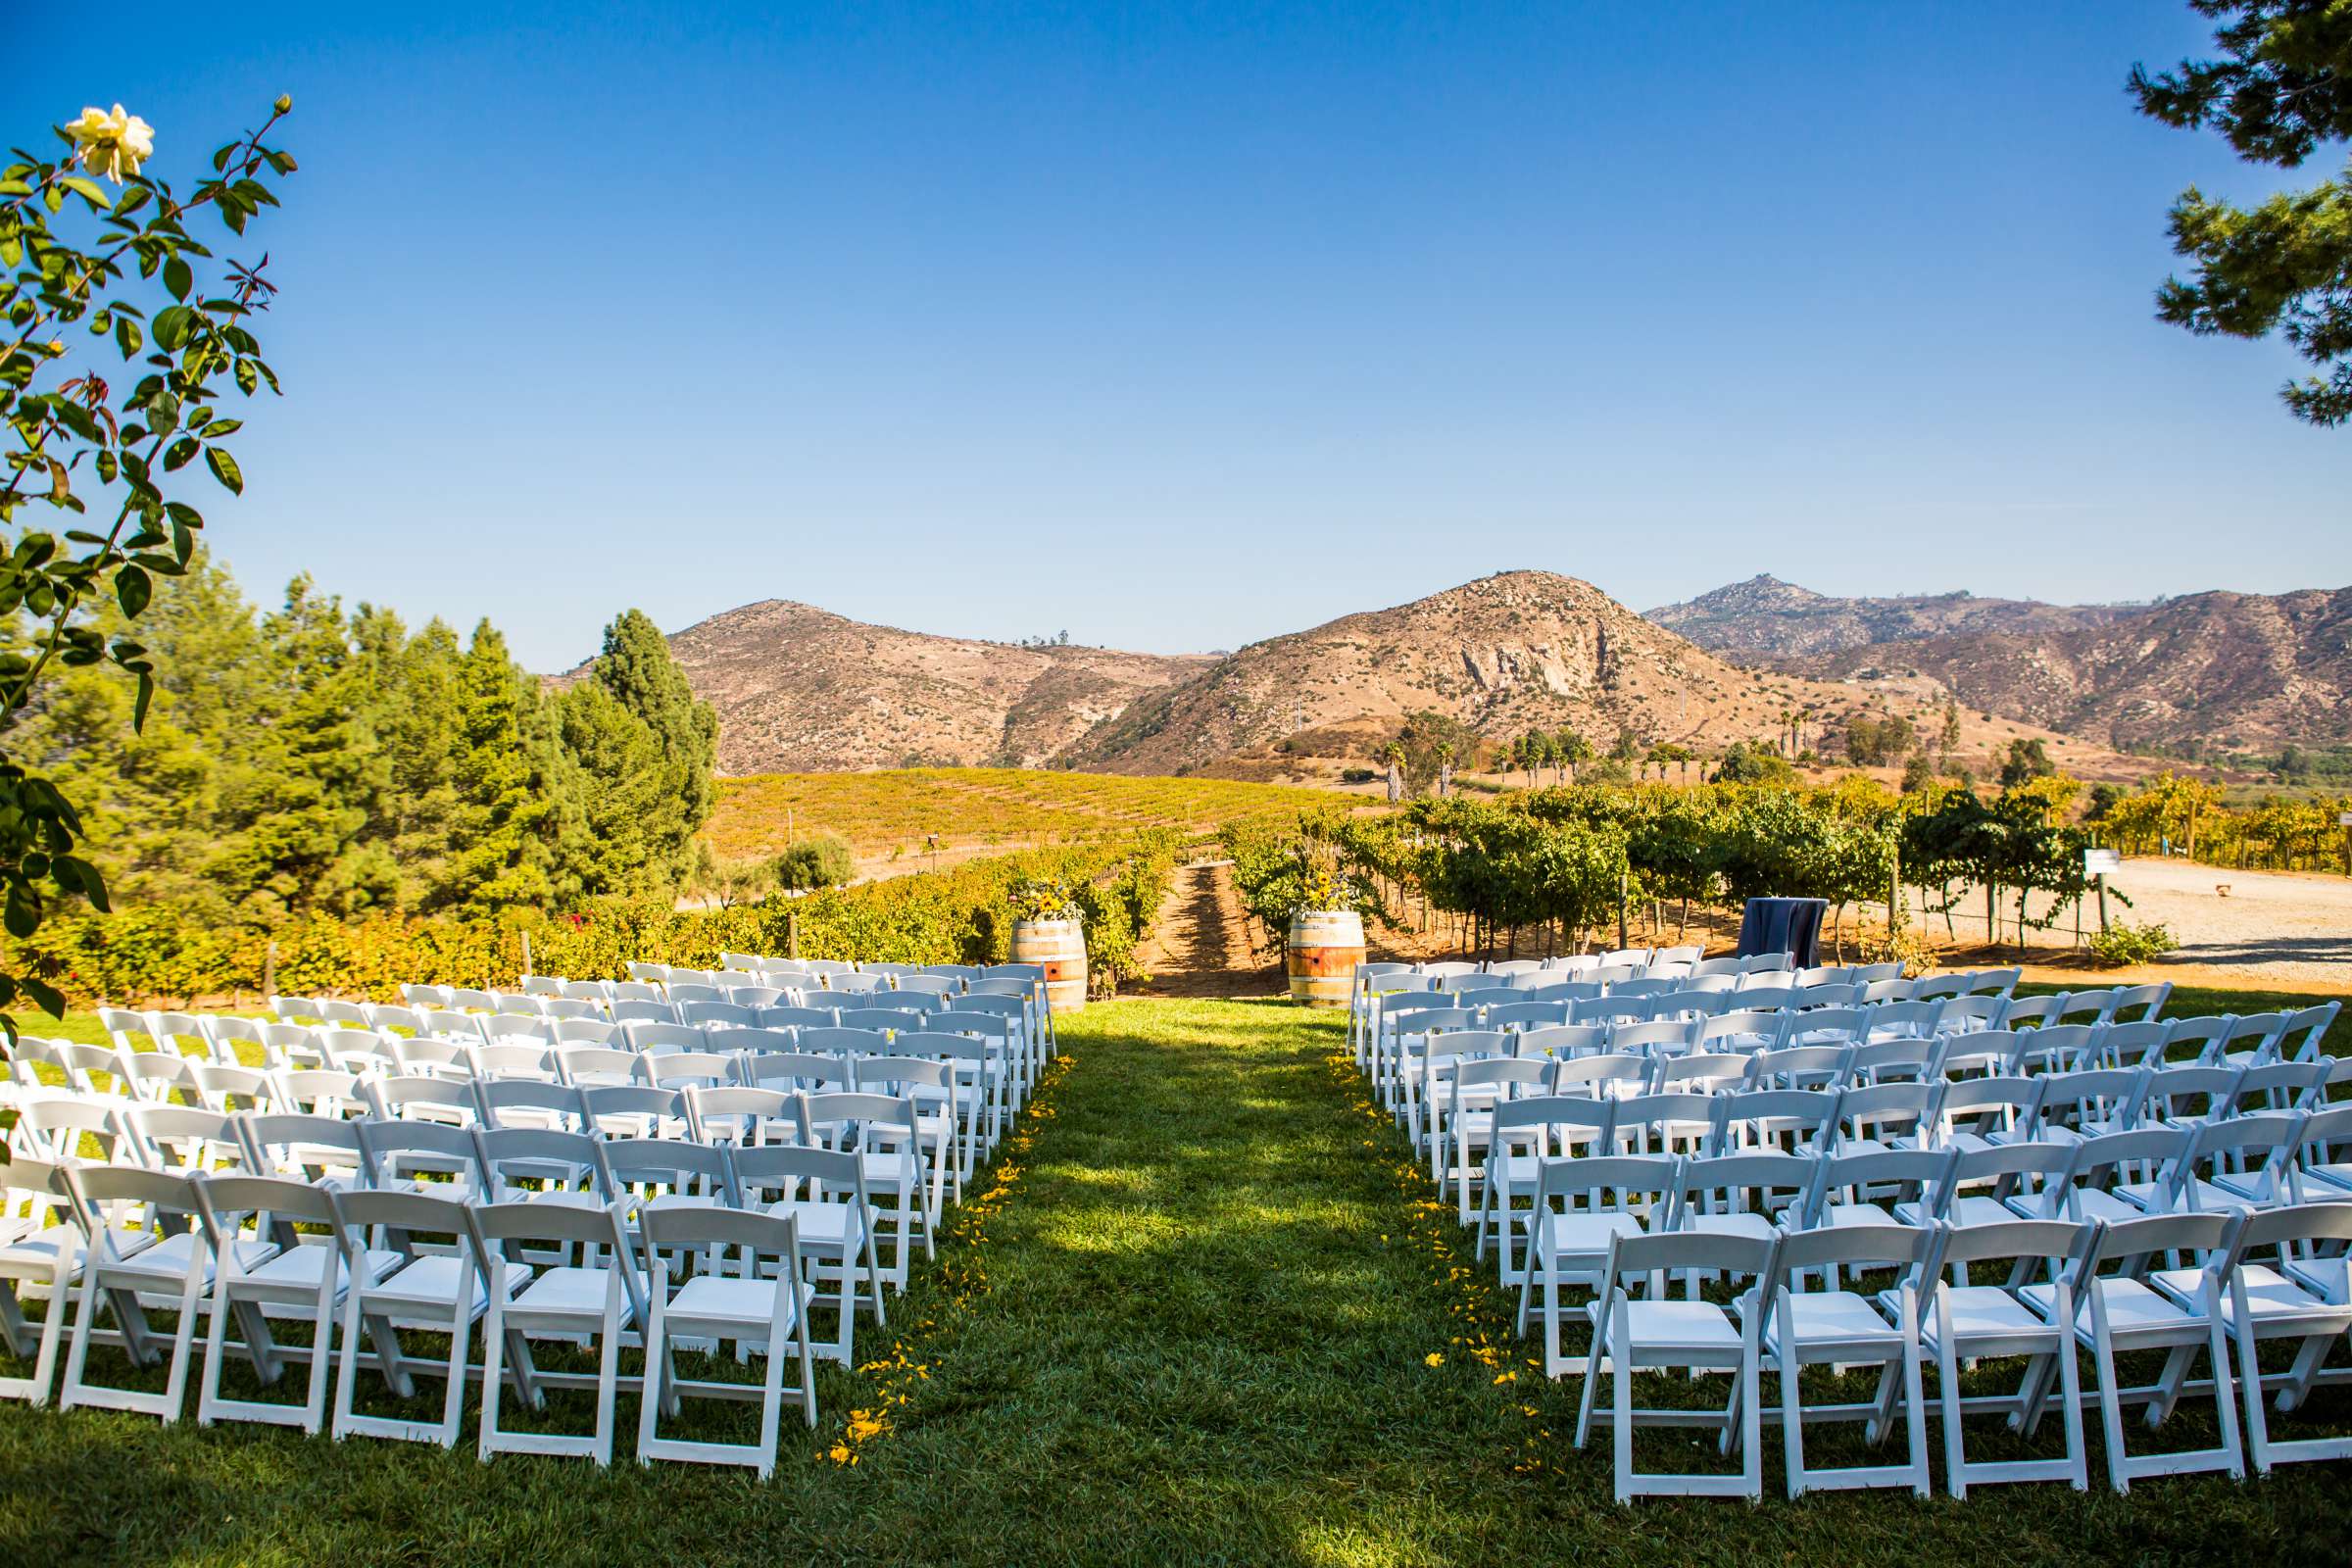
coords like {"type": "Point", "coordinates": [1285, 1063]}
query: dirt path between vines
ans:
{"type": "Point", "coordinates": [1199, 946]}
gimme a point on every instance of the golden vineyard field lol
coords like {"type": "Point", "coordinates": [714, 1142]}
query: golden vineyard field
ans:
{"type": "Point", "coordinates": [896, 809]}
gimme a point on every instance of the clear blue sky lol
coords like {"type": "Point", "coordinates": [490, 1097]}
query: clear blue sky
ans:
{"type": "Point", "coordinates": [1176, 327]}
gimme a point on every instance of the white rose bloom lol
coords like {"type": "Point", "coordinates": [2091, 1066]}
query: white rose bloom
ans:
{"type": "Point", "coordinates": [111, 145]}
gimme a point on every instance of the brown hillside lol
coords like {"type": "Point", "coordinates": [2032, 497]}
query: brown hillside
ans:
{"type": "Point", "coordinates": [1765, 619]}
{"type": "Point", "coordinates": [798, 688]}
{"type": "Point", "coordinates": [2248, 670]}
{"type": "Point", "coordinates": [1516, 651]}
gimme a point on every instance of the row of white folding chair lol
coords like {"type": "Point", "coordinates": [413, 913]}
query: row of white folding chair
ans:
{"type": "Point", "coordinates": [1925, 1112]}
{"type": "Point", "coordinates": [1002, 1020]}
{"type": "Point", "coordinates": [2257, 1159]}
{"type": "Point", "coordinates": [2107, 1288]}
{"type": "Point", "coordinates": [233, 1257]}
{"type": "Point", "coordinates": [1774, 1022]}
{"type": "Point", "coordinates": [660, 1136]}
{"type": "Point", "coordinates": [1963, 1023]}
{"type": "Point", "coordinates": [951, 1075]}
{"type": "Point", "coordinates": [1377, 1005]}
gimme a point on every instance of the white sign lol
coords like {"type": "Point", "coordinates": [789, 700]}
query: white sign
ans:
{"type": "Point", "coordinates": [2343, 819]}
{"type": "Point", "coordinates": [2099, 863]}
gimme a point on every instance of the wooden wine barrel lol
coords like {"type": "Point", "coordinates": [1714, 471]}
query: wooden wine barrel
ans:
{"type": "Point", "coordinates": [1323, 951]}
{"type": "Point", "coordinates": [1060, 947]}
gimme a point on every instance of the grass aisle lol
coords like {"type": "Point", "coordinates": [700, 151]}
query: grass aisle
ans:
{"type": "Point", "coordinates": [1197, 1328]}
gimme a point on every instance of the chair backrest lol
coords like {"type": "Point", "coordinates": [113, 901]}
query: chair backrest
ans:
{"type": "Point", "coordinates": [644, 1009]}
{"type": "Point", "coordinates": [1747, 1028]}
{"type": "Point", "coordinates": [1887, 1112]}
{"type": "Point", "coordinates": [587, 1065]}
{"type": "Point", "coordinates": [1563, 1040]}
{"type": "Point", "coordinates": [1800, 1067]}
{"type": "Point", "coordinates": [2300, 1035]}
{"type": "Point", "coordinates": [296, 1009]}
{"type": "Point", "coordinates": [322, 1092]}
{"type": "Point", "coordinates": [681, 1069]}
{"type": "Point", "coordinates": [534, 1100]}
{"type": "Point", "coordinates": [733, 1113]}
{"type": "Point", "coordinates": [1708, 1072]}
{"type": "Point", "coordinates": [629, 1111]}
{"type": "Point", "coordinates": [1790, 1120]}
{"type": "Point", "coordinates": [2144, 1001]}
{"type": "Point", "coordinates": [728, 1014]}
{"type": "Point", "coordinates": [181, 1138]}
{"type": "Point", "coordinates": [448, 1101]}
{"type": "Point", "coordinates": [584, 1031]}
{"type": "Point", "coordinates": [837, 1042]}
{"type": "Point", "coordinates": [794, 1071]}
{"type": "Point", "coordinates": [1756, 1182]}
{"type": "Point", "coordinates": [798, 1017]}
{"type": "Point", "coordinates": [654, 1037]}
{"type": "Point", "coordinates": [467, 1027]}
{"type": "Point", "coordinates": [1656, 1037]}
{"type": "Point", "coordinates": [393, 1148]}
{"type": "Point", "coordinates": [536, 1026]}
{"type": "Point", "coordinates": [1866, 1178]}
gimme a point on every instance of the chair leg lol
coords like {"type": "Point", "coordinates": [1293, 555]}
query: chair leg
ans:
{"type": "Point", "coordinates": [654, 1383]}
{"type": "Point", "coordinates": [493, 1375]}
{"type": "Point", "coordinates": [1947, 1378]}
{"type": "Point", "coordinates": [1915, 1415]}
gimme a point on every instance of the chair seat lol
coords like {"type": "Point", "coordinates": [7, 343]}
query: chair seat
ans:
{"type": "Point", "coordinates": [299, 1268]}
{"type": "Point", "coordinates": [37, 1252]}
{"type": "Point", "coordinates": [569, 1292]}
{"type": "Point", "coordinates": [831, 1225]}
{"type": "Point", "coordinates": [1746, 1224]}
{"type": "Point", "coordinates": [1843, 1216]}
{"type": "Point", "coordinates": [1513, 1172]}
{"type": "Point", "coordinates": [1975, 1209]}
{"type": "Point", "coordinates": [1658, 1328]}
{"type": "Point", "coordinates": [430, 1284]}
{"type": "Point", "coordinates": [1984, 1311]}
{"type": "Point", "coordinates": [2131, 1306]}
{"type": "Point", "coordinates": [2197, 1197]}
{"type": "Point", "coordinates": [885, 1168]}
{"type": "Point", "coordinates": [716, 1301]}
{"type": "Point", "coordinates": [1582, 1235]}
{"type": "Point", "coordinates": [2275, 1301]}
{"type": "Point", "coordinates": [1833, 1317]}
{"type": "Point", "coordinates": [167, 1263]}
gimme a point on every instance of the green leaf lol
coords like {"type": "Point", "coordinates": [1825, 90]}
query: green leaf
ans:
{"type": "Point", "coordinates": [47, 996]}
{"type": "Point", "coordinates": [126, 335]}
{"type": "Point", "coordinates": [133, 587]}
{"type": "Point", "coordinates": [171, 327]}
{"type": "Point", "coordinates": [224, 469]}
{"type": "Point", "coordinates": [89, 190]}
{"type": "Point", "coordinates": [177, 278]}
{"type": "Point", "coordinates": [138, 707]}
{"type": "Point", "coordinates": [22, 915]}
{"type": "Point", "coordinates": [180, 453]}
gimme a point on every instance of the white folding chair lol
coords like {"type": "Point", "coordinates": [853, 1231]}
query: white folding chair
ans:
{"type": "Point", "coordinates": [1843, 1328]}
{"type": "Point", "coordinates": [2117, 1311]}
{"type": "Point", "coordinates": [243, 1217]}
{"type": "Point", "coordinates": [757, 1310]}
{"type": "Point", "coordinates": [1963, 1322]}
{"type": "Point", "coordinates": [590, 1287]}
{"type": "Point", "coordinates": [1637, 1326]}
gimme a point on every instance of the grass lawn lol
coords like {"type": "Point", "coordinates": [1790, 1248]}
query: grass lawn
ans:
{"type": "Point", "coordinates": [1195, 1325]}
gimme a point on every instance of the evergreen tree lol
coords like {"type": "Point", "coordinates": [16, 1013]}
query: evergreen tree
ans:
{"type": "Point", "coordinates": [296, 796]}
{"type": "Point", "coordinates": [636, 668]}
{"type": "Point", "coordinates": [2280, 92]}
{"type": "Point", "coordinates": [517, 827]}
